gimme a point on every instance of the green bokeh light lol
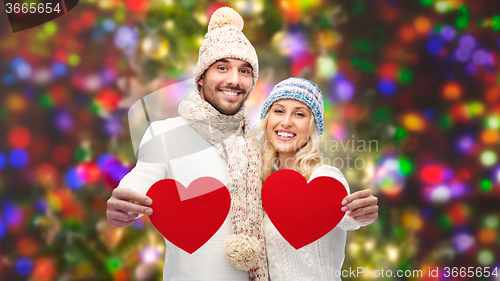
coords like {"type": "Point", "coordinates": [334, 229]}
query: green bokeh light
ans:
{"type": "Point", "coordinates": [74, 60]}
{"type": "Point", "coordinates": [382, 114]}
{"type": "Point", "coordinates": [446, 122]}
{"type": "Point", "coordinates": [426, 2]}
{"type": "Point", "coordinates": [488, 158]}
{"type": "Point", "coordinates": [82, 154]}
{"type": "Point", "coordinates": [486, 185]}
{"type": "Point", "coordinates": [445, 221]}
{"type": "Point", "coordinates": [491, 221]}
{"type": "Point", "coordinates": [462, 22]}
{"type": "Point", "coordinates": [485, 257]}
{"type": "Point", "coordinates": [50, 28]}
{"type": "Point", "coordinates": [405, 166]}
{"type": "Point", "coordinates": [495, 23]}
{"type": "Point", "coordinates": [475, 108]}
{"type": "Point", "coordinates": [3, 113]}
{"type": "Point", "coordinates": [119, 16]}
{"type": "Point", "coordinates": [442, 7]}
{"type": "Point", "coordinates": [493, 122]}
{"type": "Point", "coordinates": [405, 76]}
{"type": "Point", "coordinates": [46, 101]}
{"type": "Point", "coordinates": [363, 65]}
{"type": "Point", "coordinates": [400, 134]}
{"type": "Point", "coordinates": [113, 264]}
{"type": "Point", "coordinates": [362, 45]}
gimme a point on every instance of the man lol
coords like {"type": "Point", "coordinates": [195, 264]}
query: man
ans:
{"type": "Point", "coordinates": [211, 138]}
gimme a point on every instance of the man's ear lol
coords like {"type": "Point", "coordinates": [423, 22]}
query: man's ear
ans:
{"type": "Point", "coordinates": [200, 83]}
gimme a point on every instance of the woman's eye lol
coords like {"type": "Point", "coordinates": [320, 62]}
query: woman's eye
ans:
{"type": "Point", "coordinates": [300, 114]}
{"type": "Point", "coordinates": [278, 111]}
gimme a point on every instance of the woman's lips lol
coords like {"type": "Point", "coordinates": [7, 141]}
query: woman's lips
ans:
{"type": "Point", "coordinates": [285, 138]}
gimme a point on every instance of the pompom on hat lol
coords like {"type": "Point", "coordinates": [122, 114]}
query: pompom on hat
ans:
{"type": "Point", "coordinates": [225, 39]}
{"type": "Point", "coordinates": [298, 89]}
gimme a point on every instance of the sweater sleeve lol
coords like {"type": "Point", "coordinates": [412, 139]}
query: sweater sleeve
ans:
{"type": "Point", "coordinates": [152, 162]}
{"type": "Point", "coordinates": [347, 222]}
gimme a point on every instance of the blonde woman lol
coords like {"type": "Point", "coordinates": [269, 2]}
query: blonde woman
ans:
{"type": "Point", "coordinates": [290, 128]}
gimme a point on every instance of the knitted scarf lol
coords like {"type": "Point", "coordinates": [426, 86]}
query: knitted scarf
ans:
{"type": "Point", "coordinates": [245, 249]}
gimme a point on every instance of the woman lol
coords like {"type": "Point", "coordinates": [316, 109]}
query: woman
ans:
{"type": "Point", "coordinates": [291, 126]}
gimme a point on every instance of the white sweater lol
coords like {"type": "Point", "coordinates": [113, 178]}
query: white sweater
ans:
{"type": "Point", "coordinates": [318, 261]}
{"type": "Point", "coordinates": [189, 157]}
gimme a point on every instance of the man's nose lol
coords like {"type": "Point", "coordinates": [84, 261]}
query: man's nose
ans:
{"type": "Point", "coordinates": [233, 77]}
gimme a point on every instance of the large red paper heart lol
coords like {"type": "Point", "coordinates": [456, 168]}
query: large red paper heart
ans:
{"type": "Point", "coordinates": [189, 217]}
{"type": "Point", "coordinates": [302, 212]}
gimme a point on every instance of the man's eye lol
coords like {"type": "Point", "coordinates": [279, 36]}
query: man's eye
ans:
{"type": "Point", "coordinates": [246, 71]}
{"type": "Point", "coordinates": [222, 68]}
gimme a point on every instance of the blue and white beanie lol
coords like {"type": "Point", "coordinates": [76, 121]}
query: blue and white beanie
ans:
{"type": "Point", "coordinates": [298, 89]}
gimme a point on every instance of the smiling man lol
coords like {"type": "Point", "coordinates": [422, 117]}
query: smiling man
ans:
{"type": "Point", "coordinates": [210, 138]}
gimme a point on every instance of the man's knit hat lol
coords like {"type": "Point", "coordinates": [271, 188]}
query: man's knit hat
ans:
{"type": "Point", "coordinates": [224, 39]}
{"type": "Point", "coordinates": [298, 89]}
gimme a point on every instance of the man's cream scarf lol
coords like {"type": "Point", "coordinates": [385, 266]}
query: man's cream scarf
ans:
{"type": "Point", "coordinates": [245, 249]}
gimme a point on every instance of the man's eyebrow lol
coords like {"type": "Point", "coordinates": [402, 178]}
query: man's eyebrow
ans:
{"type": "Point", "coordinates": [222, 60]}
{"type": "Point", "coordinates": [246, 64]}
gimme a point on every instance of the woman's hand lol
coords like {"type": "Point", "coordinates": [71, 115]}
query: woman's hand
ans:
{"type": "Point", "coordinates": [361, 206]}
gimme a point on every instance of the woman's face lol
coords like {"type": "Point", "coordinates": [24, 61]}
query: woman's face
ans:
{"type": "Point", "coordinates": [288, 125]}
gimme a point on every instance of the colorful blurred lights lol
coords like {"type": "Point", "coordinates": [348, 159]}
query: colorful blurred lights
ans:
{"type": "Point", "coordinates": [344, 90]}
{"type": "Point", "coordinates": [462, 54]}
{"type": "Point", "coordinates": [413, 122]}
{"type": "Point", "coordinates": [18, 158]}
{"type": "Point", "coordinates": [493, 122]}
{"type": "Point", "coordinates": [125, 37]}
{"type": "Point", "coordinates": [108, 25]}
{"type": "Point", "coordinates": [490, 136]}
{"type": "Point", "coordinates": [440, 194]}
{"type": "Point", "coordinates": [24, 265]}
{"type": "Point", "coordinates": [448, 33]}
{"type": "Point", "coordinates": [452, 91]}
{"type": "Point", "coordinates": [12, 213]}
{"type": "Point", "coordinates": [467, 42]}
{"type": "Point", "coordinates": [387, 87]}
{"type": "Point", "coordinates": [434, 46]}
{"type": "Point", "coordinates": [432, 174]}
{"type": "Point", "coordinates": [485, 257]}
{"type": "Point", "coordinates": [59, 69]}
{"type": "Point", "coordinates": [463, 242]}
{"type": "Point", "coordinates": [488, 158]}
{"type": "Point", "coordinates": [74, 179]}
{"type": "Point", "coordinates": [19, 137]}
{"type": "Point", "coordinates": [150, 255]}
{"type": "Point", "coordinates": [3, 228]}
{"type": "Point", "coordinates": [481, 57]}
{"type": "Point", "coordinates": [2, 160]}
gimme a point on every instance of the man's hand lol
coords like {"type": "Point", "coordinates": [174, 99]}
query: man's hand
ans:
{"type": "Point", "coordinates": [361, 206]}
{"type": "Point", "coordinates": [125, 206]}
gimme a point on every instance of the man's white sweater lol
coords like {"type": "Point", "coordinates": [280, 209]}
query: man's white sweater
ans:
{"type": "Point", "coordinates": [172, 149]}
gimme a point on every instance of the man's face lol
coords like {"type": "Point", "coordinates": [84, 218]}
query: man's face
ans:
{"type": "Point", "coordinates": [226, 85]}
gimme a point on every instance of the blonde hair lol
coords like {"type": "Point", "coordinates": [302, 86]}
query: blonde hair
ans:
{"type": "Point", "coordinates": [306, 159]}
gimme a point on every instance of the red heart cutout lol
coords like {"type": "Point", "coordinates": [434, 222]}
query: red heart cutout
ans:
{"type": "Point", "coordinates": [189, 217]}
{"type": "Point", "coordinates": [302, 212]}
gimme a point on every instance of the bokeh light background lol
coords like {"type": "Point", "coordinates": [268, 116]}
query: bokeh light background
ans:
{"type": "Point", "coordinates": [416, 81]}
